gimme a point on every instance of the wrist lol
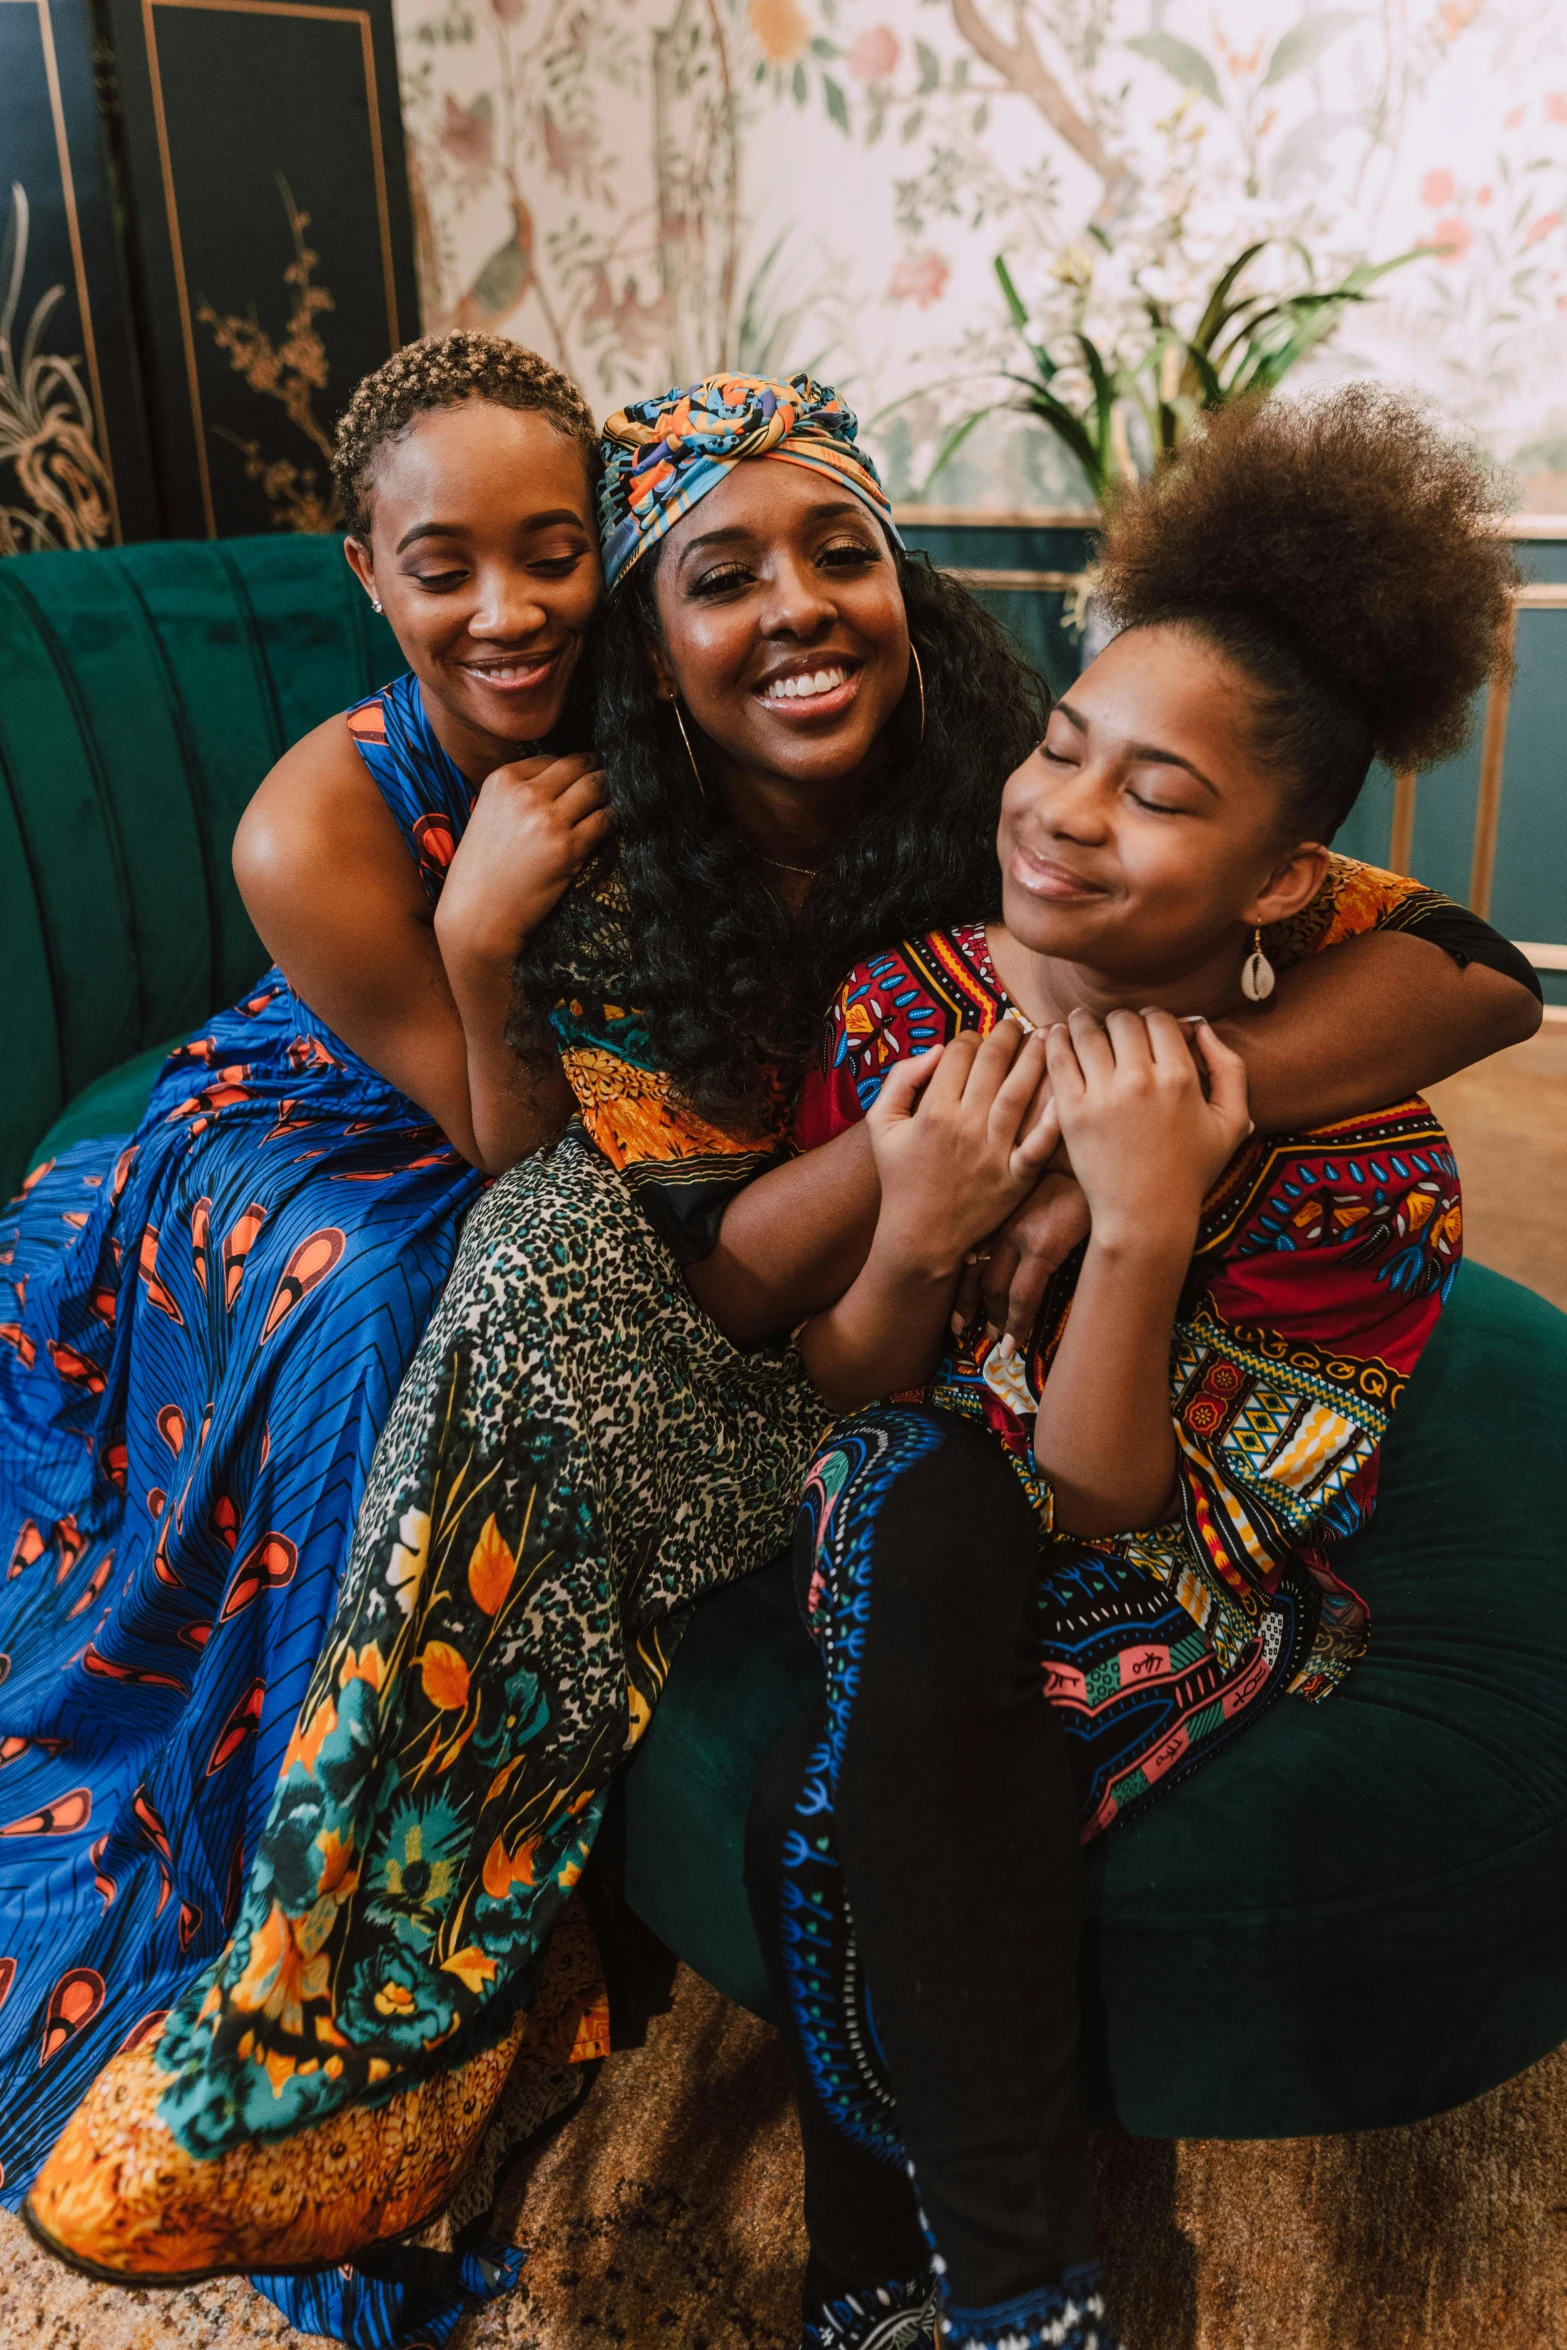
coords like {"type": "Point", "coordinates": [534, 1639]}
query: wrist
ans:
{"type": "Point", "coordinates": [480, 948]}
{"type": "Point", "coordinates": [1143, 1244]}
{"type": "Point", "coordinates": [913, 1258]}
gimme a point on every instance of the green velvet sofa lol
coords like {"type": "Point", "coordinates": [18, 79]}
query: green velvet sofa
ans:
{"type": "Point", "coordinates": [1355, 1916]}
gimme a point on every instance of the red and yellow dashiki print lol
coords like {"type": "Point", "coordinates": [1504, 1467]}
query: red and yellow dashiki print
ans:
{"type": "Point", "coordinates": [1321, 1264]}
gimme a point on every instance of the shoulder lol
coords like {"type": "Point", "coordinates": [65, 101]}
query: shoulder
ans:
{"type": "Point", "coordinates": [1373, 1198]}
{"type": "Point", "coordinates": [890, 1007]}
{"type": "Point", "coordinates": [917, 993]}
{"type": "Point", "coordinates": [1353, 899]}
{"type": "Point", "coordinates": [318, 808]}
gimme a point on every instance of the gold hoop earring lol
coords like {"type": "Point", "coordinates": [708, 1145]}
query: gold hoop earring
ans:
{"type": "Point", "coordinates": [686, 739]}
{"type": "Point", "coordinates": [1257, 977]}
{"type": "Point", "coordinates": [919, 679]}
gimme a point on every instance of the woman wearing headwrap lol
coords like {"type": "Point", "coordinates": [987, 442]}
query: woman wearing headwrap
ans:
{"type": "Point", "coordinates": [804, 735]}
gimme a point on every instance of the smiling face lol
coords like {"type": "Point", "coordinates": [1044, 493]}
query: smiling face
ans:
{"type": "Point", "coordinates": [782, 630]}
{"type": "Point", "coordinates": [1142, 840]}
{"type": "Point", "coordinates": [484, 554]}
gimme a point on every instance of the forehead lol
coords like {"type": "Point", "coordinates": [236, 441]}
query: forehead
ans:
{"type": "Point", "coordinates": [477, 461]}
{"type": "Point", "coordinates": [1163, 688]}
{"type": "Point", "coordinates": [766, 498]}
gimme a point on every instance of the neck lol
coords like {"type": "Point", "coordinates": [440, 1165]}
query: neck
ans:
{"type": "Point", "coordinates": [1046, 988]}
{"type": "Point", "coordinates": [472, 749]}
{"type": "Point", "coordinates": [792, 824]}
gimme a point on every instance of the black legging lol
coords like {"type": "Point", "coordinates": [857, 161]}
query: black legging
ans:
{"type": "Point", "coordinates": [940, 1786]}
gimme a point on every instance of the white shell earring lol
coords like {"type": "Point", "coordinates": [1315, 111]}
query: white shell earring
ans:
{"type": "Point", "coordinates": [1257, 974]}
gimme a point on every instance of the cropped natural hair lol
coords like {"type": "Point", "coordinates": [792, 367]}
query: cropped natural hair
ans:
{"type": "Point", "coordinates": [442, 371]}
{"type": "Point", "coordinates": [1342, 551]}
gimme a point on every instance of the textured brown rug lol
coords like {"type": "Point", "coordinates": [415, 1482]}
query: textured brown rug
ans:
{"type": "Point", "coordinates": [665, 2217]}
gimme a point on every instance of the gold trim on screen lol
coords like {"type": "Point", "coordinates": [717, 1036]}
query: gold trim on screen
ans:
{"type": "Point", "coordinates": [78, 259]}
{"type": "Point", "coordinates": [309, 8]}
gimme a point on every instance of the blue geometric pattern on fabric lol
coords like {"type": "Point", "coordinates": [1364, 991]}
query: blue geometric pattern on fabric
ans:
{"type": "Point", "coordinates": [863, 1458]}
{"type": "Point", "coordinates": [876, 2317]}
{"type": "Point", "coordinates": [1141, 1694]}
{"type": "Point", "coordinates": [1067, 2316]}
{"type": "Point", "coordinates": [210, 1322]}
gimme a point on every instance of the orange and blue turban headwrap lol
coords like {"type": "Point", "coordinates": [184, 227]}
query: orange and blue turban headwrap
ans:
{"type": "Point", "coordinates": [661, 456]}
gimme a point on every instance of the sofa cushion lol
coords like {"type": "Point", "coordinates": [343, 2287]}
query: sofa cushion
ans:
{"type": "Point", "coordinates": [1353, 1916]}
{"type": "Point", "coordinates": [112, 1104]}
{"type": "Point", "coordinates": [147, 691]}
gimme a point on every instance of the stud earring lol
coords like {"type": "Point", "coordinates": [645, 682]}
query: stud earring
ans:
{"type": "Point", "coordinates": [1257, 975]}
{"type": "Point", "coordinates": [686, 739]}
{"type": "Point", "coordinates": [919, 679]}
{"type": "Point", "coordinates": [375, 603]}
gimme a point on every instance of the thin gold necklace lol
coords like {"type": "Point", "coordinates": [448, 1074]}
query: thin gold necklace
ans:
{"type": "Point", "coordinates": [805, 872]}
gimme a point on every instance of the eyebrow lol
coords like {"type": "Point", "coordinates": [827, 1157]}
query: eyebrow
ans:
{"type": "Point", "coordinates": [456, 530]}
{"type": "Point", "coordinates": [1149, 752]}
{"type": "Point", "coordinates": [736, 531]}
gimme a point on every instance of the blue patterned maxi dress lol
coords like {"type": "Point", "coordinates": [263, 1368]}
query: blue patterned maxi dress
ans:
{"type": "Point", "coordinates": [202, 1328]}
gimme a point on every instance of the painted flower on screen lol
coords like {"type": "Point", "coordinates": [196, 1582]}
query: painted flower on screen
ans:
{"type": "Point", "coordinates": [1455, 236]}
{"type": "Point", "coordinates": [874, 57]}
{"type": "Point", "coordinates": [782, 29]}
{"type": "Point", "coordinates": [921, 278]}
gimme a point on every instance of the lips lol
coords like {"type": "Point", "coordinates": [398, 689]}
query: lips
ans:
{"type": "Point", "coordinates": [810, 689]}
{"type": "Point", "coordinates": [1042, 877]}
{"type": "Point", "coordinates": [518, 673]}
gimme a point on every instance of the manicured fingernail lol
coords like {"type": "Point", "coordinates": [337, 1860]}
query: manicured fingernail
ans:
{"type": "Point", "coordinates": [957, 1325]}
{"type": "Point", "coordinates": [1008, 1347]}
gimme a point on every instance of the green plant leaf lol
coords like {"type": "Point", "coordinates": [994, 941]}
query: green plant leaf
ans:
{"type": "Point", "coordinates": [1069, 429]}
{"type": "Point", "coordinates": [930, 68]}
{"type": "Point", "coordinates": [1215, 314]}
{"type": "Point", "coordinates": [911, 125]}
{"type": "Point", "coordinates": [824, 48]}
{"type": "Point", "coordinates": [800, 85]}
{"type": "Point", "coordinates": [837, 103]}
{"type": "Point", "coordinates": [1014, 299]}
{"type": "Point", "coordinates": [1305, 42]}
{"type": "Point", "coordinates": [954, 442]}
{"type": "Point", "coordinates": [1187, 65]}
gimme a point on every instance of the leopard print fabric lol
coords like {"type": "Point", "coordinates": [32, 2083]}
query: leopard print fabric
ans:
{"type": "Point", "coordinates": [576, 1455]}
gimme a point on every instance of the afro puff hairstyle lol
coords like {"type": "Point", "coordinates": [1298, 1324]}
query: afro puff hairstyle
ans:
{"type": "Point", "coordinates": [442, 371]}
{"type": "Point", "coordinates": [1342, 552]}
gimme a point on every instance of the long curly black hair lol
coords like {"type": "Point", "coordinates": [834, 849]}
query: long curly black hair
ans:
{"type": "Point", "coordinates": [732, 985]}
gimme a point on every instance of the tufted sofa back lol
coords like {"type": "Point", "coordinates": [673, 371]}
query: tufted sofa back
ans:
{"type": "Point", "coordinates": [144, 693]}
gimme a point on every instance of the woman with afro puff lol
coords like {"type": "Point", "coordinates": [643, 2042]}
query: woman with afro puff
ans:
{"type": "Point", "coordinates": [1052, 1576]}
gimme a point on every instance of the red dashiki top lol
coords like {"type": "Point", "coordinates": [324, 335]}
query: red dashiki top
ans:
{"type": "Point", "coordinates": [1322, 1262]}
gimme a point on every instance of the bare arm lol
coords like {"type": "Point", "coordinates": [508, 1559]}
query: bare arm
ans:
{"type": "Point", "coordinates": [1147, 1142]}
{"type": "Point", "coordinates": [958, 1134]}
{"type": "Point", "coordinates": [337, 900]}
{"type": "Point", "coordinates": [792, 1241]}
{"type": "Point", "coordinates": [1369, 1022]}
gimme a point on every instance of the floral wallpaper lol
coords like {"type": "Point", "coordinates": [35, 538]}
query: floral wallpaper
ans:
{"type": "Point", "coordinates": [648, 189]}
